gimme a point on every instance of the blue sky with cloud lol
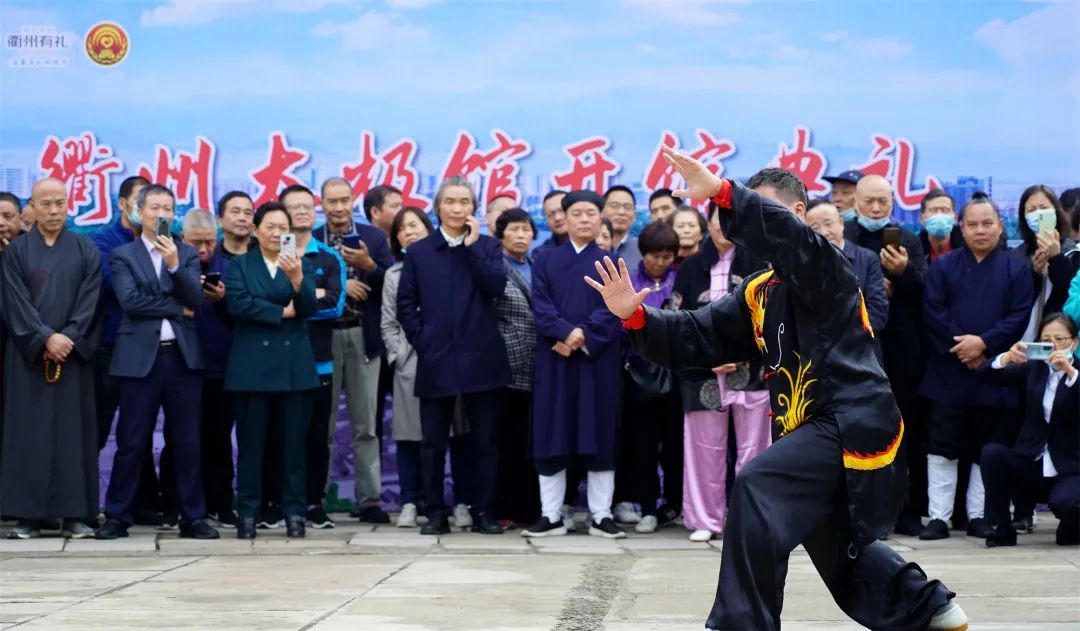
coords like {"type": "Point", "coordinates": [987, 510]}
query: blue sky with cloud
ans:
{"type": "Point", "coordinates": [981, 88]}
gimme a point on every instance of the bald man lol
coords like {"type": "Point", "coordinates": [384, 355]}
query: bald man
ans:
{"type": "Point", "coordinates": [52, 278]}
{"type": "Point", "coordinates": [903, 340]}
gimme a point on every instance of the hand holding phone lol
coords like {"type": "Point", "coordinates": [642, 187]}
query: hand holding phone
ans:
{"type": "Point", "coordinates": [211, 280]}
{"type": "Point", "coordinates": [288, 244]}
{"type": "Point", "coordinates": [892, 236]}
{"type": "Point", "coordinates": [1038, 351]}
{"type": "Point", "coordinates": [163, 227]}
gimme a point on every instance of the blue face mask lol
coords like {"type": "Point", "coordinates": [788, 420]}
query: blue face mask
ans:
{"type": "Point", "coordinates": [1044, 219]}
{"type": "Point", "coordinates": [133, 216]}
{"type": "Point", "coordinates": [939, 226]}
{"type": "Point", "coordinates": [873, 225]}
{"type": "Point", "coordinates": [848, 214]}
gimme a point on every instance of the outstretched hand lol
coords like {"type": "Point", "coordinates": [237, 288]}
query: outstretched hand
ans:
{"type": "Point", "coordinates": [616, 289]}
{"type": "Point", "coordinates": [701, 183]}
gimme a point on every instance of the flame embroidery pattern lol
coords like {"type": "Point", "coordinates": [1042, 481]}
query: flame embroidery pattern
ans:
{"type": "Point", "coordinates": [756, 296]}
{"type": "Point", "coordinates": [795, 401]}
{"type": "Point", "coordinates": [864, 316]}
{"type": "Point", "coordinates": [883, 458]}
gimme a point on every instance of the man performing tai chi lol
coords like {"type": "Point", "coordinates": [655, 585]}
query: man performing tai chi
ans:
{"type": "Point", "coordinates": [829, 482]}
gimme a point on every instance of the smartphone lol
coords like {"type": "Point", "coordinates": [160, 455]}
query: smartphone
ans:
{"type": "Point", "coordinates": [352, 242]}
{"type": "Point", "coordinates": [1048, 224]}
{"type": "Point", "coordinates": [213, 279]}
{"type": "Point", "coordinates": [163, 227]}
{"type": "Point", "coordinates": [288, 244]}
{"type": "Point", "coordinates": [892, 236]}
{"type": "Point", "coordinates": [1038, 351]}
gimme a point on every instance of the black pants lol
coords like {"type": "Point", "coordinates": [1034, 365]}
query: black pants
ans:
{"type": "Point", "coordinates": [106, 402]}
{"type": "Point", "coordinates": [318, 454]}
{"type": "Point", "coordinates": [654, 429]}
{"type": "Point", "coordinates": [256, 413]}
{"type": "Point", "coordinates": [794, 492]}
{"type": "Point", "coordinates": [436, 417]}
{"type": "Point", "coordinates": [915, 409]}
{"type": "Point", "coordinates": [518, 489]}
{"type": "Point", "coordinates": [1009, 476]}
{"type": "Point", "coordinates": [171, 385]}
{"type": "Point", "coordinates": [217, 451]}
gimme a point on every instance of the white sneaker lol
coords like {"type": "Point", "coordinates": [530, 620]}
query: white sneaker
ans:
{"type": "Point", "coordinates": [568, 517]}
{"type": "Point", "coordinates": [701, 536]}
{"type": "Point", "coordinates": [407, 518]}
{"type": "Point", "coordinates": [625, 514]}
{"type": "Point", "coordinates": [647, 524]}
{"type": "Point", "coordinates": [949, 617]}
{"type": "Point", "coordinates": [462, 518]}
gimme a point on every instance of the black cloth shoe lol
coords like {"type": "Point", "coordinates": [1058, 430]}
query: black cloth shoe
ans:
{"type": "Point", "coordinates": [198, 529]}
{"type": "Point", "coordinates": [909, 525]}
{"type": "Point", "coordinates": [294, 527]}
{"type": "Point", "coordinates": [665, 515]}
{"type": "Point", "coordinates": [606, 528]}
{"type": "Point", "coordinates": [245, 528]}
{"type": "Point", "coordinates": [226, 518]}
{"type": "Point", "coordinates": [935, 529]}
{"type": "Point", "coordinates": [145, 517]}
{"type": "Point", "coordinates": [485, 524]}
{"type": "Point", "coordinates": [112, 529]}
{"type": "Point", "coordinates": [1003, 535]}
{"type": "Point", "coordinates": [980, 528]}
{"type": "Point", "coordinates": [1026, 525]}
{"type": "Point", "coordinates": [319, 519]}
{"type": "Point", "coordinates": [545, 528]}
{"type": "Point", "coordinates": [439, 525]}
{"type": "Point", "coordinates": [373, 515]}
{"type": "Point", "coordinates": [1067, 534]}
{"type": "Point", "coordinates": [271, 518]}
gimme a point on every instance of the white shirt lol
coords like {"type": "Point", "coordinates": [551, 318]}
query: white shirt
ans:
{"type": "Point", "coordinates": [271, 266]}
{"type": "Point", "coordinates": [453, 241]}
{"type": "Point", "coordinates": [1052, 383]}
{"type": "Point", "coordinates": [579, 249]}
{"type": "Point", "coordinates": [167, 333]}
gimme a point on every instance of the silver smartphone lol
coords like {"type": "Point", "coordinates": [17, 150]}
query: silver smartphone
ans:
{"type": "Point", "coordinates": [288, 244]}
{"type": "Point", "coordinates": [1038, 351]}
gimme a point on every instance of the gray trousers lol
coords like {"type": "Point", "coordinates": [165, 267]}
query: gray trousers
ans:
{"type": "Point", "coordinates": [360, 377]}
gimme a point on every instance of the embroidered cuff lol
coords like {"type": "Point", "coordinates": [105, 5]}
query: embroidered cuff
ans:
{"type": "Point", "coordinates": [635, 321]}
{"type": "Point", "coordinates": [723, 198]}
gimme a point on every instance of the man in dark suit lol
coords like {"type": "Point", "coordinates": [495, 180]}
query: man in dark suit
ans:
{"type": "Point", "coordinates": [159, 363]}
{"type": "Point", "coordinates": [825, 219]}
{"type": "Point", "coordinates": [904, 269]}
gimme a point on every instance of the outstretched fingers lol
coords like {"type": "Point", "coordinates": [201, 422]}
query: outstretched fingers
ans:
{"type": "Point", "coordinates": [615, 276]}
{"type": "Point", "coordinates": [604, 276]}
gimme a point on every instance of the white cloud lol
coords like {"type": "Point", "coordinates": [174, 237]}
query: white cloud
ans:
{"type": "Point", "coordinates": [372, 31]}
{"type": "Point", "coordinates": [1048, 34]}
{"type": "Point", "coordinates": [880, 47]}
{"type": "Point", "coordinates": [836, 36]}
{"type": "Point", "coordinates": [405, 5]}
{"type": "Point", "coordinates": [189, 12]}
{"type": "Point", "coordinates": [690, 13]}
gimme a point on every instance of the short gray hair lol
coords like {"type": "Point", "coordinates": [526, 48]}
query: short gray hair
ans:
{"type": "Point", "coordinates": [455, 180]}
{"type": "Point", "coordinates": [153, 189]}
{"type": "Point", "coordinates": [199, 219]}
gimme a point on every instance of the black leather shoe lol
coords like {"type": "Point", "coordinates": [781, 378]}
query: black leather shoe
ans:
{"type": "Point", "coordinates": [1003, 535]}
{"type": "Point", "coordinates": [112, 529]}
{"type": "Point", "coordinates": [294, 527]}
{"type": "Point", "coordinates": [935, 529]}
{"type": "Point", "coordinates": [909, 525]}
{"type": "Point", "coordinates": [980, 528]}
{"type": "Point", "coordinates": [1067, 534]}
{"type": "Point", "coordinates": [245, 528]}
{"type": "Point", "coordinates": [198, 529]}
{"type": "Point", "coordinates": [373, 515]}
{"type": "Point", "coordinates": [436, 526]}
{"type": "Point", "coordinates": [485, 524]}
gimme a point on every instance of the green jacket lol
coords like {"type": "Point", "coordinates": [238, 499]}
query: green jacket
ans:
{"type": "Point", "coordinates": [269, 353]}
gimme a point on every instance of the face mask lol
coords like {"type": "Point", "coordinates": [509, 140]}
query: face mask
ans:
{"type": "Point", "coordinates": [133, 216]}
{"type": "Point", "coordinates": [939, 226]}
{"type": "Point", "coordinates": [848, 214]}
{"type": "Point", "coordinates": [873, 225]}
{"type": "Point", "coordinates": [1045, 219]}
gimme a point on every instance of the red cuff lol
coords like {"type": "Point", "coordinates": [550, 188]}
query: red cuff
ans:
{"type": "Point", "coordinates": [635, 321]}
{"type": "Point", "coordinates": [723, 198]}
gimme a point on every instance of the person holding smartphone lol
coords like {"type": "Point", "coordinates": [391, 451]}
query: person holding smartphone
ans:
{"type": "Point", "coordinates": [271, 370]}
{"type": "Point", "coordinates": [976, 304]}
{"type": "Point", "coordinates": [1044, 463]}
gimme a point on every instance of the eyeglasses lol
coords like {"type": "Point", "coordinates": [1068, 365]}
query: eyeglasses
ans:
{"type": "Point", "coordinates": [1061, 340]}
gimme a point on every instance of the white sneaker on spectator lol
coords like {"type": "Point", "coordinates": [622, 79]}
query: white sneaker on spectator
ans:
{"type": "Point", "coordinates": [568, 517]}
{"type": "Point", "coordinates": [949, 617]}
{"type": "Point", "coordinates": [462, 518]}
{"type": "Point", "coordinates": [701, 536]}
{"type": "Point", "coordinates": [647, 524]}
{"type": "Point", "coordinates": [407, 518]}
{"type": "Point", "coordinates": [625, 514]}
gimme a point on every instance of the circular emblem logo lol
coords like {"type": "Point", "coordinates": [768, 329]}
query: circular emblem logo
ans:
{"type": "Point", "coordinates": [107, 43]}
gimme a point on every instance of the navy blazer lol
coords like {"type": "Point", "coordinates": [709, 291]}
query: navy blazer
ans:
{"type": "Point", "coordinates": [1062, 435]}
{"type": "Point", "coordinates": [378, 246]}
{"type": "Point", "coordinates": [867, 268]}
{"type": "Point", "coordinates": [146, 299]}
{"type": "Point", "coordinates": [447, 306]}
